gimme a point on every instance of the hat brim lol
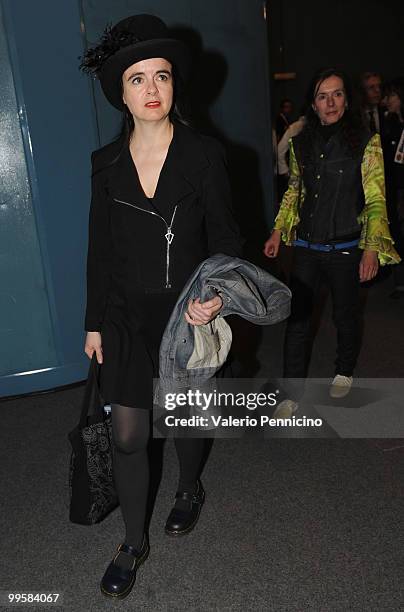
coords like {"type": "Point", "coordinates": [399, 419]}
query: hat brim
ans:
{"type": "Point", "coordinates": [175, 51]}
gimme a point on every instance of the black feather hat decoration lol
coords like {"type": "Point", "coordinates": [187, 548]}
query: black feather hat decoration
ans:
{"type": "Point", "coordinates": [112, 40]}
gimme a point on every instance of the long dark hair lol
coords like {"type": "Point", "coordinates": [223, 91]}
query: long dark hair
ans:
{"type": "Point", "coordinates": [352, 127]}
{"type": "Point", "coordinates": [396, 86]}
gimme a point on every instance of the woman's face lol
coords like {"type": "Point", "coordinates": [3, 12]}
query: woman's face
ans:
{"type": "Point", "coordinates": [148, 89]}
{"type": "Point", "coordinates": [330, 100]}
{"type": "Point", "coordinates": [393, 102]}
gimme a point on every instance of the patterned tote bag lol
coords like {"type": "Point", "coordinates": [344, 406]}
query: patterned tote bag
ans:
{"type": "Point", "coordinates": [91, 487]}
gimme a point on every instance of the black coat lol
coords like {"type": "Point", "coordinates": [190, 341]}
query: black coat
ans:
{"type": "Point", "coordinates": [394, 173]}
{"type": "Point", "coordinates": [130, 288]}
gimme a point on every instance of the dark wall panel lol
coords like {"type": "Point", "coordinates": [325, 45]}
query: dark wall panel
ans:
{"type": "Point", "coordinates": [357, 36]}
{"type": "Point", "coordinates": [53, 104]}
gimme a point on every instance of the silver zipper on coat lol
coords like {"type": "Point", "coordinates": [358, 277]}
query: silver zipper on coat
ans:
{"type": "Point", "coordinates": [169, 236]}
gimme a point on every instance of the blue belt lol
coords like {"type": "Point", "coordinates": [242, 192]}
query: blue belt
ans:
{"type": "Point", "coordinates": [325, 247]}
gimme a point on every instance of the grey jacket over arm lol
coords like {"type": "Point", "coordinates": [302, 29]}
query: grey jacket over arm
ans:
{"type": "Point", "coordinates": [191, 355]}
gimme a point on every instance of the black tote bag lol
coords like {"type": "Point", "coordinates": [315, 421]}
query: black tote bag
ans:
{"type": "Point", "coordinates": [91, 487]}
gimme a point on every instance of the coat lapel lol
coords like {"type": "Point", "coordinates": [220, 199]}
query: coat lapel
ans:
{"type": "Point", "coordinates": [180, 175]}
{"type": "Point", "coordinates": [125, 184]}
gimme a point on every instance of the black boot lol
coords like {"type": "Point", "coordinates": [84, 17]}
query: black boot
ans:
{"type": "Point", "coordinates": [181, 522]}
{"type": "Point", "coordinates": [120, 575]}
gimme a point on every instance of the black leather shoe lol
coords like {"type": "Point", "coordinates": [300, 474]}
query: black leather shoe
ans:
{"type": "Point", "coordinates": [117, 580]}
{"type": "Point", "coordinates": [181, 522]}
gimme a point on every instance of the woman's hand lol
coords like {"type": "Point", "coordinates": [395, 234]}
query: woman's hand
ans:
{"type": "Point", "coordinates": [271, 247]}
{"type": "Point", "coordinates": [93, 343]}
{"type": "Point", "coordinates": [201, 313]}
{"type": "Point", "coordinates": [368, 266]}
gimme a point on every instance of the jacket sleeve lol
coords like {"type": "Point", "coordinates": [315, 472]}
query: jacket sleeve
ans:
{"type": "Point", "coordinates": [288, 216]}
{"type": "Point", "coordinates": [221, 227]}
{"type": "Point", "coordinates": [375, 234]}
{"type": "Point", "coordinates": [99, 253]}
{"type": "Point", "coordinates": [283, 148]}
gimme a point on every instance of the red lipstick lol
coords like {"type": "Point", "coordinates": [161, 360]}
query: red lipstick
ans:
{"type": "Point", "coordinates": [154, 104]}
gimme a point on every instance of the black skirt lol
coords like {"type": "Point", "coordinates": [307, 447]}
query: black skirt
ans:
{"type": "Point", "coordinates": [131, 338]}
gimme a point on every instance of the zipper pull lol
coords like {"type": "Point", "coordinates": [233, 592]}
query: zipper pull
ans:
{"type": "Point", "coordinates": [169, 235]}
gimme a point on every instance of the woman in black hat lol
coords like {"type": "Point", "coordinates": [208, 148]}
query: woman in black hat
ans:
{"type": "Point", "coordinates": [160, 205]}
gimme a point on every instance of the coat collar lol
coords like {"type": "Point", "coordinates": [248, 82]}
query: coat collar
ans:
{"type": "Point", "coordinates": [180, 175]}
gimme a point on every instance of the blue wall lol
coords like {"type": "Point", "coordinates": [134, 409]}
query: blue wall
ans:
{"type": "Point", "coordinates": [43, 274]}
{"type": "Point", "coordinates": [56, 116]}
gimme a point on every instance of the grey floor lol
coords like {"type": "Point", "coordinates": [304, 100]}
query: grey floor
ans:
{"type": "Point", "coordinates": [288, 524]}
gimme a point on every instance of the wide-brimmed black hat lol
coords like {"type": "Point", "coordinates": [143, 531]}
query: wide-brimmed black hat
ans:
{"type": "Point", "coordinates": [131, 40]}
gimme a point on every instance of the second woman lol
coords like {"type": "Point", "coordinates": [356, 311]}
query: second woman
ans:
{"type": "Point", "coordinates": [334, 214]}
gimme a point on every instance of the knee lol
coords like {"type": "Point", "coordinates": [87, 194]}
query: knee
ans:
{"type": "Point", "coordinates": [346, 317]}
{"type": "Point", "coordinates": [128, 445]}
{"type": "Point", "coordinates": [298, 327]}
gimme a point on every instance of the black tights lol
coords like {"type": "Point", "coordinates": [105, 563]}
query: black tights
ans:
{"type": "Point", "coordinates": [131, 431]}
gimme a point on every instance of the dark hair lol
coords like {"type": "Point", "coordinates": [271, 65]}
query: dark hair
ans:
{"type": "Point", "coordinates": [395, 86]}
{"type": "Point", "coordinates": [352, 127]}
{"type": "Point", "coordinates": [361, 90]}
{"type": "Point", "coordinates": [367, 75]}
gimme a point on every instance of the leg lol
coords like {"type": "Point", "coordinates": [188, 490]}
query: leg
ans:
{"type": "Point", "coordinates": [304, 281]}
{"type": "Point", "coordinates": [190, 496]}
{"type": "Point", "coordinates": [130, 430]}
{"type": "Point", "coordinates": [343, 277]}
{"type": "Point", "coordinates": [189, 453]}
{"type": "Point", "coordinates": [398, 277]}
{"type": "Point", "coordinates": [396, 218]}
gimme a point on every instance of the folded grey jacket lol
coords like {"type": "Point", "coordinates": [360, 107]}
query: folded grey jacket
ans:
{"type": "Point", "coordinates": [191, 355]}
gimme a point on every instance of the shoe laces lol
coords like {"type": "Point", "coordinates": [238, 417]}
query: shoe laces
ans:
{"type": "Point", "coordinates": [342, 380]}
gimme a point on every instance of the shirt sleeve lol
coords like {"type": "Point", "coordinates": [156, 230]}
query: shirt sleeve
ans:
{"type": "Point", "coordinates": [221, 227]}
{"type": "Point", "coordinates": [375, 234]}
{"type": "Point", "coordinates": [99, 254]}
{"type": "Point", "coordinates": [288, 216]}
{"type": "Point", "coordinates": [283, 147]}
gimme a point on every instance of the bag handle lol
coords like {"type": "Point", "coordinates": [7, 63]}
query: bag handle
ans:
{"type": "Point", "coordinates": [92, 401]}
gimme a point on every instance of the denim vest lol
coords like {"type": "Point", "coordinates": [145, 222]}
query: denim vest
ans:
{"type": "Point", "coordinates": [333, 185]}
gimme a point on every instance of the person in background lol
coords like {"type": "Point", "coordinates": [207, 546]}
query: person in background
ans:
{"type": "Point", "coordinates": [334, 213]}
{"type": "Point", "coordinates": [393, 149]}
{"type": "Point", "coordinates": [284, 117]}
{"type": "Point", "coordinates": [283, 154]}
{"type": "Point", "coordinates": [370, 88]}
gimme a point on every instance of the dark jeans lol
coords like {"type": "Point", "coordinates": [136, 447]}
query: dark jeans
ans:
{"type": "Point", "coordinates": [341, 271]}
